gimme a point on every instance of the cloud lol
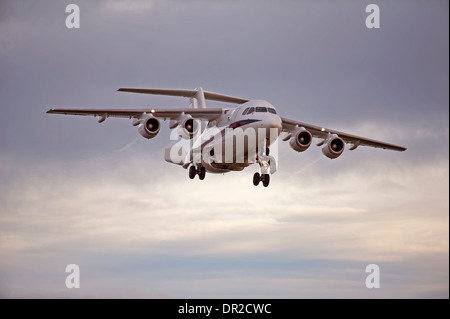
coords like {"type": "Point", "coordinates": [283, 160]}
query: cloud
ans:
{"type": "Point", "coordinates": [99, 214]}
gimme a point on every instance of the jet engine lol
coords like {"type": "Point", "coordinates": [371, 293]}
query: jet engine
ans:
{"type": "Point", "coordinates": [333, 147]}
{"type": "Point", "coordinates": [150, 127]}
{"type": "Point", "coordinates": [301, 140]}
{"type": "Point", "coordinates": [188, 128]}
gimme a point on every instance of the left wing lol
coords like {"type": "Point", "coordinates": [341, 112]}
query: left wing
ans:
{"type": "Point", "coordinates": [203, 114]}
{"type": "Point", "coordinates": [321, 132]}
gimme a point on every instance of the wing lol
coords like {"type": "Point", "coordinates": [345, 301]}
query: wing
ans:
{"type": "Point", "coordinates": [203, 114]}
{"type": "Point", "coordinates": [321, 132]}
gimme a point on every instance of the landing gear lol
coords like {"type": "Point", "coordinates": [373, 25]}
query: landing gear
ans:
{"type": "Point", "coordinates": [264, 178]}
{"type": "Point", "coordinates": [201, 171]}
{"type": "Point", "coordinates": [192, 172]}
{"type": "Point", "coordinates": [267, 165]}
{"type": "Point", "coordinates": [256, 179]}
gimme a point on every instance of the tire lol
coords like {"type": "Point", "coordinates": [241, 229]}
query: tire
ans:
{"type": "Point", "coordinates": [265, 179]}
{"type": "Point", "coordinates": [267, 151]}
{"type": "Point", "coordinates": [256, 179]}
{"type": "Point", "coordinates": [202, 173]}
{"type": "Point", "coordinates": [192, 172]}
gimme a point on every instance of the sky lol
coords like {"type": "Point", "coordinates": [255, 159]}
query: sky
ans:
{"type": "Point", "coordinates": [100, 196]}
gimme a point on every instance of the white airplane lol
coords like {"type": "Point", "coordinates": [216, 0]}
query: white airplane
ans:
{"type": "Point", "coordinates": [245, 132]}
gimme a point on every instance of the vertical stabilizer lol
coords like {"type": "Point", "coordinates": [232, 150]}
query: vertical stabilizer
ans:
{"type": "Point", "coordinates": [200, 97]}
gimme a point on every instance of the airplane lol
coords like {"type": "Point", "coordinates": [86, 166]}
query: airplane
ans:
{"type": "Point", "coordinates": [246, 132]}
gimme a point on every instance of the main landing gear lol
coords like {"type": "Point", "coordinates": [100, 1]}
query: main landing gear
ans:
{"type": "Point", "coordinates": [266, 163]}
{"type": "Point", "coordinates": [264, 178]}
{"type": "Point", "coordinates": [200, 171]}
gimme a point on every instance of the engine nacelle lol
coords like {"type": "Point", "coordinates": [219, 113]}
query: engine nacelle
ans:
{"type": "Point", "coordinates": [188, 128]}
{"type": "Point", "coordinates": [150, 127]}
{"type": "Point", "coordinates": [333, 147]}
{"type": "Point", "coordinates": [301, 140]}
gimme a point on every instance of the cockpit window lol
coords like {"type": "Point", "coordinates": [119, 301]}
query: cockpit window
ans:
{"type": "Point", "coordinates": [245, 111]}
{"type": "Point", "coordinates": [252, 109]}
{"type": "Point", "coordinates": [271, 110]}
{"type": "Point", "coordinates": [261, 109]}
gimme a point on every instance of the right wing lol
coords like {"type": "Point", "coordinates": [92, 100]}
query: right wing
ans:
{"type": "Point", "coordinates": [172, 114]}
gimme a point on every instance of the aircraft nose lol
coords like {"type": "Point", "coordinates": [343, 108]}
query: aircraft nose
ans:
{"type": "Point", "coordinates": [276, 123]}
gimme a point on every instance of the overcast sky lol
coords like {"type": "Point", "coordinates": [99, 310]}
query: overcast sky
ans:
{"type": "Point", "coordinates": [102, 197]}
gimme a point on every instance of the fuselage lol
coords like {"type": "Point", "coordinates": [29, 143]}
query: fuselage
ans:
{"type": "Point", "coordinates": [234, 141]}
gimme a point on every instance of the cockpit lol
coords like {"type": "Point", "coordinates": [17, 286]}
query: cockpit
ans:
{"type": "Point", "coordinates": [259, 109]}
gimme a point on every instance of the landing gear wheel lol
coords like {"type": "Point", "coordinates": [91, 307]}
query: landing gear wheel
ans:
{"type": "Point", "coordinates": [256, 179]}
{"type": "Point", "coordinates": [267, 151]}
{"type": "Point", "coordinates": [202, 173]}
{"type": "Point", "coordinates": [192, 172]}
{"type": "Point", "coordinates": [265, 179]}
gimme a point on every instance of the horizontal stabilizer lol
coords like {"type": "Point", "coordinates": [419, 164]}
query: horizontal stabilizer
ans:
{"type": "Point", "coordinates": [187, 93]}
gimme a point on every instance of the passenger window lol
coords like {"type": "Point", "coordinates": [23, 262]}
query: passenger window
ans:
{"type": "Point", "coordinates": [271, 110]}
{"type": "Point", "coordinates": [261, 109]}
{"type": "Point", "coordinates": [252, 109]}
{"type": "Point", "coordinates": [245, 111]}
